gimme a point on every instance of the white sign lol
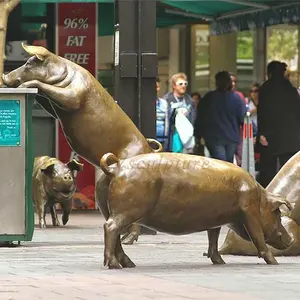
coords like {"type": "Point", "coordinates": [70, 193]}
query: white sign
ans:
{"type": "Point", "coordinates": [117, 47]}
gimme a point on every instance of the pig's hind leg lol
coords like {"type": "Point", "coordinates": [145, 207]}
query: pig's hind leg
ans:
{"type": "Point", "coordinates": [213, 252]}
{"type": "Point", "coordinates": [114, 255]}
{"type": "Point", "coordinates": [123, 259]}
{"type": "Point", "coordinates": [253, 226]}
{"type": "Point", "coordinates": [101, 198]}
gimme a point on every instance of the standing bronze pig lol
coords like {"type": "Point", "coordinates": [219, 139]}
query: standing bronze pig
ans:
{"type": "Point", "coordinates": [182, 194]}
{"type": "Point", "coordinates": [286, 185]}
{"type": "Point", "coordinates": [53, 182]}
{"type": "Point", "coordinates": [91, 120]}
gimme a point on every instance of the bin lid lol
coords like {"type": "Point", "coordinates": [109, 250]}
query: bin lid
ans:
{"type": "Point", "coordinates": [18, 90]}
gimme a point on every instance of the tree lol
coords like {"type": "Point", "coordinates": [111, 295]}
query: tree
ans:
{"type": "Point", "coordinates": [245, 45]}
{"type": "Point", "coordinates": [6, 7]}
{"type": "Point", "coordinates": [283, 44]}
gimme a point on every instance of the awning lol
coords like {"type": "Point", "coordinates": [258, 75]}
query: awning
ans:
{"type": "Point", "coordinates": [106, 14]}
{"type": "Point", "coordinates": [236, 15]}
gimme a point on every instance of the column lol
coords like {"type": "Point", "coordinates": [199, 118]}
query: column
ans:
{"type": "Point", "coordinates": [222, 54]}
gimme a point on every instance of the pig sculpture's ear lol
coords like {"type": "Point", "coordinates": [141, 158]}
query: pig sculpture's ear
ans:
{"type": "Point", "coordinates": [39, 52]}
{"type": "Point", "coordinates": [278, 200]}
{"type": "Point", "coordinates": [74, 165]}
{"type": "Point", "coordinates": [48, 169]}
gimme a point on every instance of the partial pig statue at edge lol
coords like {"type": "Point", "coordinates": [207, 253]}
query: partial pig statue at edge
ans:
{"type": "Point", "coordinates": [182, 194]}
{"type": "Point", "coordinates": [91, 120]}
{"type": "Point", "coordinates": [53, 182]}
{"type": "Point", "coordinates": [285, 184]}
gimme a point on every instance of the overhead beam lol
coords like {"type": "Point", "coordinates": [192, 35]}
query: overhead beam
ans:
{"type": "Point", "coordinates": [251, 10]}
{"type": "Point", "coordinates": [188, 14]}
{"type": "Point", "coordinates": [247, 3]}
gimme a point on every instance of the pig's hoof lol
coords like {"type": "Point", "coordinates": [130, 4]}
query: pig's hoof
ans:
{"type": "Point", "coordinates": [112, 263]}
{"type": "Point", "coordinates": [129, 239]}
{"type": "Point", "coordinates": [217, 260]}
{"type": "Point", "coordinates": [269, 258]}
{"type": "Point", "coordinates": [271, 261]}
{"type": "Point", "coordinates": [126, 262]}
{"type": "Point", "coordinates": [42, 225]}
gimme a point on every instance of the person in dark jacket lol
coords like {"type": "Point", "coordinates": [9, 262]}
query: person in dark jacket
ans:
{"type": "Point", "coordinates": [219, 117]}
{"type": "Point", "coordinates": [278, 118]}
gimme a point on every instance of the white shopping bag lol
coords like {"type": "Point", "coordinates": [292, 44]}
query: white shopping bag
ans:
{"type": "Point", "coordinates": [185, 130]}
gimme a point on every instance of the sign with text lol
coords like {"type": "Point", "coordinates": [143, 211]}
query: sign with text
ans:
{"type": "Point", "coordinates": [77, 41]}
{"type": "Point", "coordinates": [10, 127]}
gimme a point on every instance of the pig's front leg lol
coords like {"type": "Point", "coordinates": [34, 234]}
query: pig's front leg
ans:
{"type": "Point", "coordinates": [39, 198]}
{"type": "Point", "coordinates": [213, 253]}
{"type": "Point", "coordinates": [132, 234]}
{"type": "Point", "coordinates": [42, 215]}
{"type": "Point", "coordinates": [66, 98]}
{"type": "Point", "coordinates": [254, 229]}
{"type": "Point", "coordinates": [55, 221]}
{"type": "Point", "coordinates": [66, 208]}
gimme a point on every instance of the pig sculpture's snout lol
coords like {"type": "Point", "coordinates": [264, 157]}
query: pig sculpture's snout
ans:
{"type": "Point", "coordinates": [10, 81]}
{"type": "Point", "coordinates": [68, 178]}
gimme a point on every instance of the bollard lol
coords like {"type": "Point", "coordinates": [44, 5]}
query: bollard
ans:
{"type": "Point", "coordinates": [16, 152]}
{"type": "Point", "coordinates": [248, 160]}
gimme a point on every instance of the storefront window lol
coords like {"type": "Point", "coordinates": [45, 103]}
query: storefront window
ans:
{"type": "Point", "coordinates": [200, 58]}
{"type": "Point", "coordinates": [282, 45]}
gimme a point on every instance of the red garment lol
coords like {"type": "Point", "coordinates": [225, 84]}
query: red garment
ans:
{"type": "Point", "coordinates": [241, 96]}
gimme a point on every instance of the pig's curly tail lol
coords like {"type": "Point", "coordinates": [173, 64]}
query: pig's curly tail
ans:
{"type": "Point", "coordinates": [105, 167]}
{"type": "Point", "coordinates": [157, 143]}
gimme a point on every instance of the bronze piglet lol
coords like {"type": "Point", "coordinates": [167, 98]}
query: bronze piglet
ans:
{"type": "Point", "coordinates": [53, 182]}
{"type": "Point", "coordinates": [182, 194]}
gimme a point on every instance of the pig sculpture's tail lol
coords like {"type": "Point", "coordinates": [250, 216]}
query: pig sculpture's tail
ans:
{"type": "Point", "coordinates": [105, 167]}
{"type": "Point", "coordinates": [157, 143]}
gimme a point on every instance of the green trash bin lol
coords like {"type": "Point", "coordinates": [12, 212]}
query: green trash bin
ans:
{"type": "Point", "coordinates": [16, 157]}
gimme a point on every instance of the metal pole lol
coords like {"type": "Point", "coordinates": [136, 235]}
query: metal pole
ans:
{"type": "Point", "coordinates": [136, 63]}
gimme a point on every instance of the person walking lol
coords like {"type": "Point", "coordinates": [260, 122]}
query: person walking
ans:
{"type": "Point", "coordinates": [219, 117]}
{"type": "Point", "coordinates": [181, 113]}
{"type": "Point", "coordinates": [278, 117]}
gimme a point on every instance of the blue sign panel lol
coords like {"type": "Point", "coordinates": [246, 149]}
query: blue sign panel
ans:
{"type": "Point", "coordinates": [10, 126]}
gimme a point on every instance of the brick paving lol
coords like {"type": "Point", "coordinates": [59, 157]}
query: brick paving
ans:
{"type": "Point", "coordinates": [66, 263]}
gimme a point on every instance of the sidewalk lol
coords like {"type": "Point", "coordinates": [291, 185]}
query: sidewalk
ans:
{"type": "Point", "coordinates": [67, 263]}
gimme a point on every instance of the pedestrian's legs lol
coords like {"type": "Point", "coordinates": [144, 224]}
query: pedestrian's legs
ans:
{"type": "Point", "coordinates": [230, 151]}
{"type": "Point", "coordinates": [217, 151]}
{"type": "Point", "coordinates": [268, 168]}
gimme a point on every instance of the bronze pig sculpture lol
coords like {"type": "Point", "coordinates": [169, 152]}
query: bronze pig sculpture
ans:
{"type": "Point", "coordinates": [286, 184]}
{"type": "Point", "coordinates": [53, 182]}
{"type": "Point", "coordinates": [235, 245]}
{"type": "Point", "coordinates": [182, 194]}
{"type": "Point", "coordinates": [91, 120]}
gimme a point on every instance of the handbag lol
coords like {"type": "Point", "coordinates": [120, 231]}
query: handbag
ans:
{"type": "Point", "coordinates": [177, 145]}
{"type": "Point", "coordinates": [185, 130]}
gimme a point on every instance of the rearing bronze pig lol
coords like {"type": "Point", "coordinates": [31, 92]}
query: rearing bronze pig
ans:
{"type": "Point", "coordinates": [91, 120]}
{"type": "Point", "coordinates": [182, 194]}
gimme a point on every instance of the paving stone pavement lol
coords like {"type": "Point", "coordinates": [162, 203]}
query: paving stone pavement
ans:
{"type": "Point", "coordinates": [66, 263]}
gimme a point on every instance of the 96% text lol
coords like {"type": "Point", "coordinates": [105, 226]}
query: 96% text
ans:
{"type": "Point", "coordinates": [80, 23]}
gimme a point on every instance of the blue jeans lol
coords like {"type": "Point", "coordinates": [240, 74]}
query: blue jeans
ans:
{"type": "Point", "coordinates": [222, 151]}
